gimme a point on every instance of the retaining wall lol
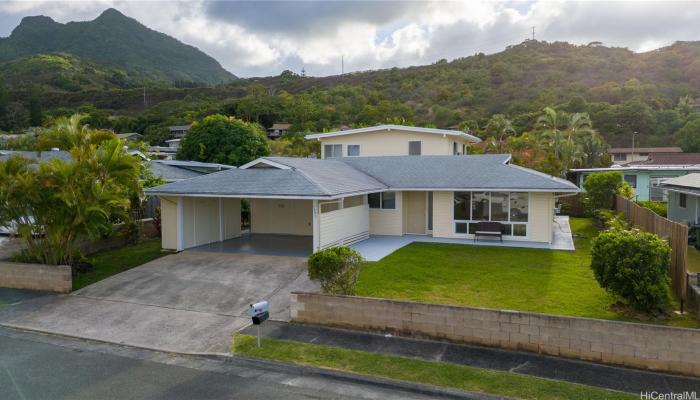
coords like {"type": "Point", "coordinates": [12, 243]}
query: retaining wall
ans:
{"type": "Point", "coordinates": [643, 346]}
{"type": "Point", "coordinates": [50, 278]}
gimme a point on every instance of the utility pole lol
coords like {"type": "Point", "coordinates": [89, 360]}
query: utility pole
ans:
{"type": "Point", "coordinates": [533, 33]}
{"type": "Point", "coordinates": [633, 135]}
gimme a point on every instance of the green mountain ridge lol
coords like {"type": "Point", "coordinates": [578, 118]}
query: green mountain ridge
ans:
{"type": "Point", "coordinates": [116, 43]}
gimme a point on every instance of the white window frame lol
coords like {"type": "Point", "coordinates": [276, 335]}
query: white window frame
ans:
{"type": "Point", "coordinates": [347, 150]}
{"type": "Point", "coordinates": [421, 147]}
{"type": "Point", "coordinates": [325, 153]}
{"type": "Point", "coordinates": [509, 222]}
{"type": "Point", "coordinates": [381, 201]}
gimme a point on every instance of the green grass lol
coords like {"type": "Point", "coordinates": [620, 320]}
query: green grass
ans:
{"type": "Point", "coordinates": [536, 280]}
{"type": "Point", "coordinates": [108, 263]}
{"type": "Point", "coordinates": [419, 371]}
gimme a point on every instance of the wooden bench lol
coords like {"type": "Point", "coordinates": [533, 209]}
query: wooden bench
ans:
{"type": "Point", "coordinates": [488, 228]}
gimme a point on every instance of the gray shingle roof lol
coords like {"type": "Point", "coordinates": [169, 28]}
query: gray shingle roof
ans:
{"type": "Point", "coordinates": [456, 172]}
{"type": "Point", "coordinates": [172, 173]}
{"type": "Point", "coordinates": [314, 178]}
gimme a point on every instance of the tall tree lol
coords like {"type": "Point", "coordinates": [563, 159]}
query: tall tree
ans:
{"type": "Point", "coordinates": [225, 140]}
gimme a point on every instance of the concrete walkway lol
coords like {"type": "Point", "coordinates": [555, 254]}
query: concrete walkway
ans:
{"type": "Point", "coordinates": [586, 373]}
{"type": "Point", "coordinates": [379, 246]}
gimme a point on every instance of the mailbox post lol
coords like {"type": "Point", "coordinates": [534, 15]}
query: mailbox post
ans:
{"type": "Point", "coordinates": [259, 312]}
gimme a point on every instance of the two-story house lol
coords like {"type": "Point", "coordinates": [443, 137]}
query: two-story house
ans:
{"type": "Point", "coordinates": [624, 155]}
{"type": "Point", "coordinates": [371, 183]}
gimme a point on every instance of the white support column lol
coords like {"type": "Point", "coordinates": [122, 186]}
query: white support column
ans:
{"type": "Point", "coordinates": [341, 203]}
{"type": "Point", "coordinates": [221, 220]}
{"type": "Point", "coordinates": [180, 224]}
{"type": "Point", "coordinates": [316, 225]}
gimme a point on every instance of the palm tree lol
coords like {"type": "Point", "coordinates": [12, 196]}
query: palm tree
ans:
{"type": "Point", "coordinates": [499, 128]}
{"type": "Point", "coordinates": [69, 132]}
{"type": "Point", "coordinates": [564, 132]}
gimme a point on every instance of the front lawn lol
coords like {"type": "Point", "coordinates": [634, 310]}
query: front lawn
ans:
{"type": "Point", "coordinates": [420, 371]}
{"type": "Point", "coordinates": [544, 281]}
{"type": "Point", "coordinates": [111, 262]}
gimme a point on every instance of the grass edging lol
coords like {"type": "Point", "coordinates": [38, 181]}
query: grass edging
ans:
{"type": "Point", "coordinates": [438, 374]}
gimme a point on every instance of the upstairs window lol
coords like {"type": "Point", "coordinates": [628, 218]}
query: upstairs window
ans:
{"type": "Point", "coordinates": [353, 150]}
{"type": "Point", "coordinates": [332, 151]}
{"type": "Point", "coordinates": [414, 148]}
{"type": "Point", "coordinates": [619, 157]}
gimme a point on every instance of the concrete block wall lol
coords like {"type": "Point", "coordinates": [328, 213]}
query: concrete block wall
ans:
{"type": "Point", "coordinates": [51, 278]}
{"type": "Point", "coordinates": [635, 345]}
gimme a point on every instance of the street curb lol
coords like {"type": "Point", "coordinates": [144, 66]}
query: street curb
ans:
{"type": "Point", "coordinates": [385, 383]}
{"type": "Point", "coordinates": [75, 337]}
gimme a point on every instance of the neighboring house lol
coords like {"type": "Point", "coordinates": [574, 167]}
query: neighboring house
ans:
{"type": "Point", "coordinates": [179, 131]}
{"type": "Point", "coordinates": [624, 155]}
{"type": "Point", "coordinates": [393, 140]}
{"type": "Point", "coordinates": [130, 137]}
{"type": "Point", "coordinates": [646, 176]}
{"type": "Point", "coordinates": [277, 130]}
{"type": "Point", "coordinates": [43, 156]}
{"type": "Point", "coordinates": [337, 201]}
{"type": "Point", "coordinates": [166, 152]}
{"type": "Point", "coordinates": [683, 198]}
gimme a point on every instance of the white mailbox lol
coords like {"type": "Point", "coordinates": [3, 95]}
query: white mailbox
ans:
{"type": "Point", "coordinates": [258, 308]}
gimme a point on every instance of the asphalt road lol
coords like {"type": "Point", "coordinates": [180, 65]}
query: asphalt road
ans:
{"type": "Point", "coordinates": [34, 367]}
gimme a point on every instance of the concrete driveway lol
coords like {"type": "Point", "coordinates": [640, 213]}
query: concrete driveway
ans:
{"type": "Point", "coordinates": [190, 302]}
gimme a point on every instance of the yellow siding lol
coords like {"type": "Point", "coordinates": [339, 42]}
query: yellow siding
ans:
{"type": "Point", "coordinates": [541, 217]}
{"type": "Point", "coordinates": [442, 214]}
{"type": "Point", "coordinates": [387, 222]}
{"type": "Point", "coordinates": [168, 224]}
{"type": "Point", "coordinates": [395, 143]}
{"type": "Point", "coordinates": [290, 217]}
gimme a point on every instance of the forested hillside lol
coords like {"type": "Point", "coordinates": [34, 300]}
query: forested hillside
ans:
{"type": "Point", "coordinates": [622, 91]}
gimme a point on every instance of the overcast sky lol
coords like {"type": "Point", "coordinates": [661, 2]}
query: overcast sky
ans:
{"type": "Point", "coordinates": [255, 38]}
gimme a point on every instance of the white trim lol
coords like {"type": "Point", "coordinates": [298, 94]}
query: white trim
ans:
{"type": "Point", "coordinates": [338, 196]}
{"type": "Point", "coordinates": [379, 128]}
{"type": "Point", "coordinates": [687, 167]}
{"type": "Point", "coordinates": [266, 162]}
{"type": "Point", "coordinates": [315, 211]}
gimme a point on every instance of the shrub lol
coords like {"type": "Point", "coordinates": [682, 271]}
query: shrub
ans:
{"type": "Point", "coordinates": [336, 269]}
{"type": "Point", "coordinates": [655, 206]}
{"type": "Point", "coordinates": [633, 265]}
{"type": "Point", "coordinates": [601, 188]}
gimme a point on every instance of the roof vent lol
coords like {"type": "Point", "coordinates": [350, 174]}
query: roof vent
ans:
{"type": "Point", "coordinates": [55, 149]}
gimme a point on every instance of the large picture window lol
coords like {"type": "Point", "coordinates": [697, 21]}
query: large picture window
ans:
{"type": "Point", "coordinates": [510, 209]}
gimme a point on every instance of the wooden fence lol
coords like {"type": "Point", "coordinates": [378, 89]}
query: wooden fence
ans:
{"type": "Point", "coordinates": [675, 233]}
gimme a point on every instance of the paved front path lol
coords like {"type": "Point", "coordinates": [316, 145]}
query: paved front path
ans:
{"type": "Point", "coordinates": [591, 374]}
{"type": "Point", "coordinates": [191, 302]}
{"type": "Point", "coordinates": [47, 367]}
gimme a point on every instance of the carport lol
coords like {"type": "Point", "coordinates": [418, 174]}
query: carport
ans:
{"type": "Point", "coordinates": [294, 209]}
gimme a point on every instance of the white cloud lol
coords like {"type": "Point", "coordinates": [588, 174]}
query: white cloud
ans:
{"type": "Point", "coordinates": [254, 38]}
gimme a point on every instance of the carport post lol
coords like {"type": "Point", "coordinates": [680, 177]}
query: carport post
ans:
{"type": "Point", "coordinates": [180, 224]}
{"type": "Point", "coordinates": [316, 228]}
